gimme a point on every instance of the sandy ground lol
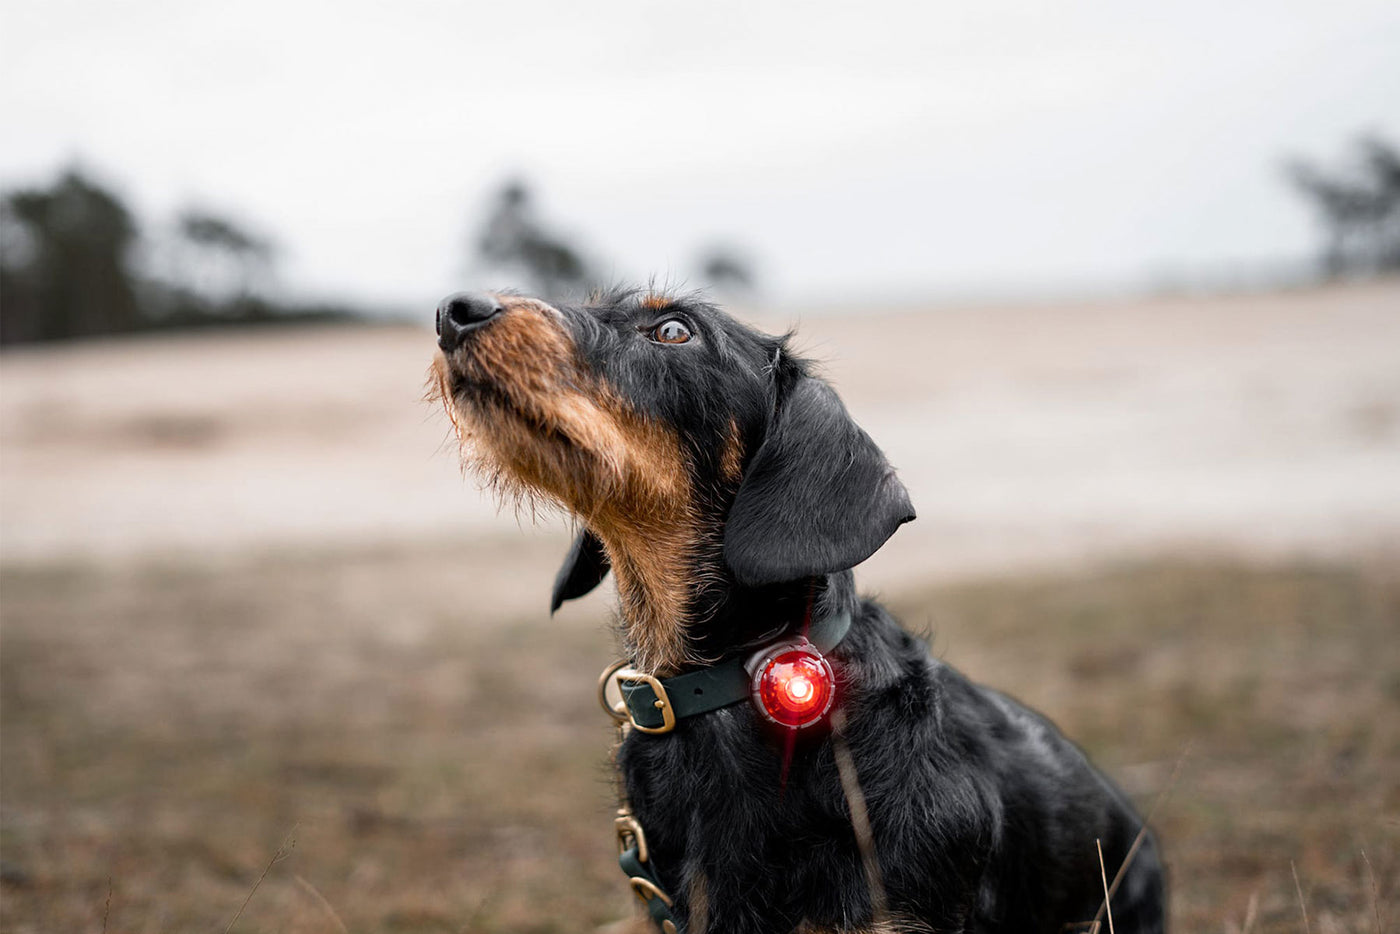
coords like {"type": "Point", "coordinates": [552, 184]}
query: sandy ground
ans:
{"type": "Point", "coordinates": [1028, 436]}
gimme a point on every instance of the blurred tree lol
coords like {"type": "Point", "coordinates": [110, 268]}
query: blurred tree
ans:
{"type": "Point", "coordinates": [224, 261]}
{"type": "Point", "coordinates": [513, 238]}
{"type": "Point", "coordinates": [65, 270]}
{"type": "Point", "coordinates": [1360, 207]}
{"type": "Point", "coordinates": [727, 269]}
{"type": "Point", "coordinates": [68, 269]}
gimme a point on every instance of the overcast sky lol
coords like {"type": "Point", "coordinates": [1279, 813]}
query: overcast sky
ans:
{"type": "Point", "coordinates": [857, 149]}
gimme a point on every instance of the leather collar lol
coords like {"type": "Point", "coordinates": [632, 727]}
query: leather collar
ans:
{"type": "Point", "coordinates": [654, 705]}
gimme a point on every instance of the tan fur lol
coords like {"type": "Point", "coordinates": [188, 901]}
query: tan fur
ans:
{"type": "Point", "coordinates": [698, 901]}
{"type": "Point", "coordinates": [559, 433]}
{"type": "Point", "coordinates": [887, 926]}
{"type": "Point", "coordinates": [731, 458]}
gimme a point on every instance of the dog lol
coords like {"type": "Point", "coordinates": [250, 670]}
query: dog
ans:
{"type": "Point", "coordinates": [724, 485]}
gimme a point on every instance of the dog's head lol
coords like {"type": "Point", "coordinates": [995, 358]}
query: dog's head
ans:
{"type": "Point", "coordinates": [696, 452]}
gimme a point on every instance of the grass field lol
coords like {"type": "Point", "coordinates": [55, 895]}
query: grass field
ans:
{"type": "Point", "coordinates": [168, 726]}
{"type": "Point", "coordinates": [1170, 523]}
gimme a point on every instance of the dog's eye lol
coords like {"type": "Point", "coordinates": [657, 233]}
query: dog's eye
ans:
{"type": "Point", "coordinates": [672, 331]}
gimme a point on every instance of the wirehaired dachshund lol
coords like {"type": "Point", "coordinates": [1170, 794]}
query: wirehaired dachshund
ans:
{"type": "Point", "coordinates": [728, 491]}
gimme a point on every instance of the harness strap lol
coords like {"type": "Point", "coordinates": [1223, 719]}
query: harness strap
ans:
{"type": "Point", "coordinates": [648, 888]}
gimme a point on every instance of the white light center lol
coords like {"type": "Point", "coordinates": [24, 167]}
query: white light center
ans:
{"type": "Point", "coordinates": [799, 688]}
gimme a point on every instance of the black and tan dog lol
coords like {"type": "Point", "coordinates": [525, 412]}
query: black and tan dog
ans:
{"type": "Point", "coordinates": [727, 489]}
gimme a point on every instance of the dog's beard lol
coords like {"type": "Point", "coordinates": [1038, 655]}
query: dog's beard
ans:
{"type": "Point", "coordinates": [529, 463]}
{"type": "Point", "coordinates": [619, 475]}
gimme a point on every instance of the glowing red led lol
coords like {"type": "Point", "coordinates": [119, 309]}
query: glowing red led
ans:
{"type": "Point", "coordinates": [794, 687]}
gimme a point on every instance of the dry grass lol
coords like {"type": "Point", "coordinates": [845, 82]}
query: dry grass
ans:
{"type": "Point", "coordinates": [165, 726]}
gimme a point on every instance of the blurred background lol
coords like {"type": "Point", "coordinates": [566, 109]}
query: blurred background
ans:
{"type": "Point", "coordinates": [1117, 290]}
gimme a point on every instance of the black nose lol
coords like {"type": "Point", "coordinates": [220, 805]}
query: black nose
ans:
{"type": "Point", "coordinates": [461, 313]}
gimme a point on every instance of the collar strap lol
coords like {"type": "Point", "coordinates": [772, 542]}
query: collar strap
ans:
{"type": "Point", "coordinates": [654, 704]}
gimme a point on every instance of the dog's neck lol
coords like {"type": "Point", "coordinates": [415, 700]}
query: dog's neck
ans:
{"type": "Point", "coordinates": [733, 618]}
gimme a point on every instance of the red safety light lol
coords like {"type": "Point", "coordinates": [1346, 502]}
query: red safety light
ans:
{"type": "Point", "coordinates": [793, 685]}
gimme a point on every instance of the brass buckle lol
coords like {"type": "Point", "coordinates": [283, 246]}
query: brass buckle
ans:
{"type": "Point", "coordinates": [646, 890]}
{"type": "Point", "coordinates": [627, 826]}
{"type": "Point", "coordinates": [662, 702]}
{"type": "Point", "coordinates": [617, 711]}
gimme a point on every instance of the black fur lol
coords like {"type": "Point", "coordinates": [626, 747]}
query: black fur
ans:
{"type": "Point", "coordinates": [817, 497]}
{"type": "Point", "coordinates": [984, 817]}
{"type": "Point", "coordinates": [584, 568]}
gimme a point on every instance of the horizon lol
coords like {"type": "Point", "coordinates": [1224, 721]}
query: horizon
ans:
{"type": "Point", "coordinates": [980, 154]}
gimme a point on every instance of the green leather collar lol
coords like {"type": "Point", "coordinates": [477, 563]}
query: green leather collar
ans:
{"type": "Point", "coordinates": [656, 704]}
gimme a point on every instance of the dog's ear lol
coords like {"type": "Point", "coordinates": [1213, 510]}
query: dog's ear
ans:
{"type": "Point", "coordinates": [584, 568]}
{"type": "Point", "coordinates": [818, 495]}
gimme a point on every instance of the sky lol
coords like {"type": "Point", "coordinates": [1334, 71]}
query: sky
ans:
{"type": "Point", "coordinates": [859, 152]}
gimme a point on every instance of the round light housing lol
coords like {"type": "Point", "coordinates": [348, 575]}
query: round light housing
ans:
{"type": "Point", "coordinates": [793, 685]}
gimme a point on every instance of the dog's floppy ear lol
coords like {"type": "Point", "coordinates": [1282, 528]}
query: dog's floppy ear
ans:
{"type": "Point", "coordinates": [818, 495]}
{"type": "Point", "coordinates": [584, 568]}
